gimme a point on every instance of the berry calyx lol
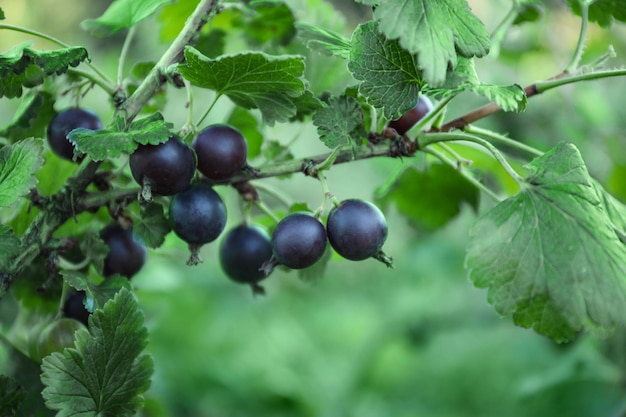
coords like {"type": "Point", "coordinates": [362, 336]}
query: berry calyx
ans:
{"type": "Point", "coordinates": [126, 256]}
{"type": "Point", "coordinates": [243, 252]}
{"type": "Point", "coordinates": [222, 150]}
{"type": "Point", "coordinates": [299, 240]}
{"type": "Point", "coordinates": [163, 169]}
{"type": "Point", "coordinates": [63, 123]}
{"type": "Point", "coordinates": [197, 216]}
{"type": "Point", "coordinates": [356, 229]}
{"type": "Point", "coordinates": [412, 116]}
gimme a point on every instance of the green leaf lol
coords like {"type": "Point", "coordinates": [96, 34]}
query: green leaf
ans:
{"type": "Point", "coordinates": [248, 125]}
{"type": "Point", "coordinates": [94, 248]}
{"type": "Point", "coordinates": [105, 373]}
{"type": "Point", "coordinates": [115, 141]}
{"type": "Point", "coordinates": [324, 41]}
{"type": "Point", "coordinates": [153, 226]}
{"type": "Point", "coordinates": [340, 123]}
{"type": "Point", "coordinates": [2, 17]}
{"type": "Point", "coordinates": [122, 14]}
{"type": "Point", "coordinates": [9, 246]}
{"type": "Point", "coordinates": [528, 11]}
{"type": "Point", "coordinates": [603, 11]}
{"type": "Point", "coordinates": [552, 256]}
{"type": "Point", "coordinates": [273, 24]}
{"type": "Point", "coordinates": [428, 198]}
{"type": "Point", "coordinates": [307, 104]}
{"type": "Point", "coordinates": [434, 30]}
{"type": "Point", "coordinates": [277, 152]}
{"type": "Point", "coordinates": [212, 44]}
{"type": "Point", "coordinates": [11, 393]}
{"type": "Point", "coordinates": [18, 165]}
{"type": "Point", "coordinates": [32, 117]}
{"type": "Point", "coordinates": [464, 77]}
{"type": "Point", "coordinates": [251, 80]}
{"type": "Point", "coordinates": [23, 66]}
{"type": "Point", "coordinates": [100, 293]}
{"type": "Point", "coordinates": [390, 76]}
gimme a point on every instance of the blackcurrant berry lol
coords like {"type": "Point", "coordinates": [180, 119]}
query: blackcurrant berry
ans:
{"type": "Point", "coordinates": [165, 169]}
{"type": "Point", "coordinates": [198, 216]}
{"type": "Point", "coordinates": [63, 123]}
{"type": "Point", "coordinates": [412, 116]}
{"type": "Point", "coordinates": [222, 151]}
{"type": "Point", "coordinates": [356, 229]}
{"type": "Point", "coordinates": [126, 256]}
{"type": "Point", "coordinates": [243, 251]}
{"type": "Point", "coordinates": [299, 240]}
{"type": "Point", "coordinates": [74, 307]}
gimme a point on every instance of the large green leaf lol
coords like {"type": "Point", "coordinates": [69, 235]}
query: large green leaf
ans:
{"type": "Point", "coordinates": [324, 40]}
{"type": "Point", "coordinates": [153, 225]}
{"type": "Point", "coordinates": [554, 256]}
{"type": "Point", "coordinates": [251, 80]}
{"type": "Point", "coordinates": [18, 165]}
{"type": "Point", "coordinates": [105, 373]}
{"type": "Point", "coordinates": [122, 14]}
{"type": "Point", "coordinates": [434, 30]}
{"type": "Point", "coordinates": [340, 123]}
{"type": "Point", "coordinates": [391, 78]}
{"type": "Point", "coordinates": [99, 293]}
{"type": "Point", "coordinates": [32, 117]}
{"type": "Point", "coordinates": [603, 11]}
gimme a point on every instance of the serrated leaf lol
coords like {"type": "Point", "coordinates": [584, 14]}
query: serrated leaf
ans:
{"type": "Point", "coordinates": [99, 293]}
{"type": "Point", "coordinates": [434, 30]}
{"type": "Point", "coordinates": [11, 393]}
{"type": "Point", "coordinates": [105, 373]}
{"type": "Point", "coordinates": [153, 226]}
{"type": "Point", "coordinates": [340, 122]}
{"type": "Point", "coordinates": [390, 76]}
{"type": "Point", "coordinates": [9, 246]}
{"type": "Point", "coordinates": [428, 198]}
{"type": "Point", "coordinates": [94, 248]}
{"type": "Point", "coordinates": [212, 44]}
{"type": "Point", "coordinates": [19, 163]}
{"type": "Point", "coordinates": [248, 125]}
{"type": "Point", "coordinates": [25, 67]}
{"type": "Point", "coordinates": [31, 118]}
{"type": "Point", "coordinates": [551, 256]}
{"type": "Point", "coordinates": [603, 11]}
{"type": "Point", "coordinates": [323, 40]}
{"type": "Point", "coordinates": [122, 14]}
{"type": "Point", "coordinates": [307, 104]}
{"type": "Point", "coordinates": [464, 77]}
{"type": "Point", "coordinates": [251, 80]}
{"type": "Point", "coordinates": [113, 141]}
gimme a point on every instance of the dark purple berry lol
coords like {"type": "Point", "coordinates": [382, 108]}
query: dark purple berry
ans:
{"type": "Point", "coordinates": [198, 214]}
{"type": "Point", "coordinates": [126, 256]}
{"type": "Point", "coordinates": [74, 307]}
{"type": "Point", "coordinates": [356, 229]}
{"type": "Point", "coordinates": [221, 150]}
{"type": "Point", "coordinates": [63, 123]}
{"type": "Point", "coordinates": [242, 253]}
{"type": "Point", "coordinates": [408, 119]}
{"type": "Point", "coordinates": [166, 168]}
{"type": "Point", "coordinates": [299, 240]}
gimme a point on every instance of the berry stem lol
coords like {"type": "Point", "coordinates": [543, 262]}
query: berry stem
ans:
{"type": "Point", "coordinates": [261, 205]}
{"type": "Point", "coordinates": [502, 29]}
{"type": "Point", "coordinates": [206, 113]}
{"type": "Point", "coordinates": [123, 54]}
{"type": "Point", "coordinates": [106, 87]}
{"type": "Point", "coordinates": [489, 134]}
{"type": "Point", "coordinates": [434, 113]}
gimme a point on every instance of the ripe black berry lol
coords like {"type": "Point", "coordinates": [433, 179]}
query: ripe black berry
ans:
{"type": "Point", "coordinates": [222, 151]}
{"type": "Point", "coordinates": [299, 240]}
{"type": "Point", "coordinates": [164, 169]}
{"type": "Point", "coordinates": [198, 216]}
{"type": "Point", "coordinates": [242, 253]}
{"type": "Point", "coordinates": [74, 307]}
{"type": "Point", "coordinates": [126, 256]}
{"type": "Point", "coordinates": [356, 229]}
{"type": "Point", "coordinates": [63, 123]}
{"type": "Point", "coordinates": [414, 115]}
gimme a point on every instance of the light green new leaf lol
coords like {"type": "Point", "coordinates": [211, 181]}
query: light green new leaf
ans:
{"type": "Point", "coordinates": [323, 40]}
{"type": "Point", "coordinates": [113, 142]}
{"type": "Point", "coordinates": [11, 393]}
{"type": "Point", "coordinates": [390, 76]}
{"type": "Point", "coordinates": [105, 373]}
{"type": "Point", "coordinates": [429, 198]}
{"type": "Point", "coordinates": [251, 80]}
{"type": "Point", "coordinates": [122, 14]}
{"type": "Point", "coordinates": [340, 123]}
{"type": "Point", "coordinates": [552, 256]}
{"type": "Point", "coordinates": [603, 11]}
{"type": "Point", "coordinates": [434, 30]}
{"type": "Point", "coordinates": [18, 165]}
{"type": "Point", "coordinates": [98, 294]}
{"type": "Point", "coordinates": [153, 226]}
{"type": "Point", "coordinates": [464, 77]}
{"type": "Point", "coordinates": [9, 246]}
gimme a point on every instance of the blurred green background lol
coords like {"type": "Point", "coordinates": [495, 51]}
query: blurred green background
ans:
{"type": "Point", "coordinates": [368, 341]}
